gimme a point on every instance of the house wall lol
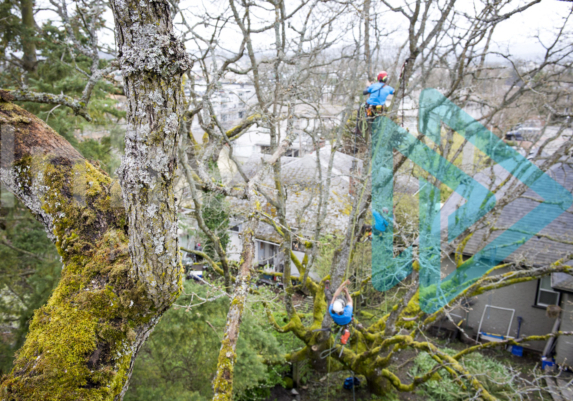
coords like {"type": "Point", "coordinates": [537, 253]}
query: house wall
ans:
{"type": "Point", "coordinates": [234, 251]}
{"type": "Point", "coordinates": [520, 297]}
{"type": "Point", "coordinates": [565, 343]}
{"type": "Point", "coordinates": [234, 246]}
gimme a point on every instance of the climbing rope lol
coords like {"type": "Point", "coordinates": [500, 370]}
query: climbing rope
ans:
{"type": "Point", "coordinates": [403, 85]}
{"type": "Point", "coordinates": [402, 81]}
{"type": "Point", "coordinates": [353, 385]}
{"type": "Point", "coordinates": [327, 378]}
{"type": "Point", "coordinates": [327, 352]}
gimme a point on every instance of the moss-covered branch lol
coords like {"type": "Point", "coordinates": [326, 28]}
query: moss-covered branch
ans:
{"type": "Point", "coordinates": [82, 344]}
{"type": "Point", "coordinates": [517, 341]}
{"type": "Point", "coordinates": [121, 267]}
{"type": "Point", "coordinates": [242, 127]}
{"type": "Point", "coordinates": [223, 382]}
{"type": "Point", "coordinates": [489, 282]}
{"type": "Point", "coordinates": [206, 257]}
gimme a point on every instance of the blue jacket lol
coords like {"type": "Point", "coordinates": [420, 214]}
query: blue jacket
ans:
{"type": "Point", "coordinates": [380, 223]}
{"type": "Point", "coordinates": [344, 319]}
{"type": "Point", "coordinates": [378, 93]}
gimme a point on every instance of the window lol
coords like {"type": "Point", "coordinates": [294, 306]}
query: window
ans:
{"type": "Point", "coordinates": [241, 114]}
{"type": "Point", "coordinates": [297, 246]}
{"type": "Point", "coordinates": [545, 294]}
{"type": "Point", "coordinates": [292, 152]}
{"type": "Point", "coordinates": [266, 150]}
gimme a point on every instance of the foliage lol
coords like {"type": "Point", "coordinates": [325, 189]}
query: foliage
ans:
{"type": "Point", "coordinates": [12, 29]}
{"type": "Point", "coordinates": [58, 71]}
{"type": "Point", "coordinates": [29, 272]}
{"type": "Point", "coordinates": [327, 245]}
{"type": "Point", "coordinates": [216, 216]}
{"type": "Point", "coordinates": [494, 376]}
{"type": "Point", "coordinates": [57, 74]}
{"type": "Point", "coordinates": [179, 360]}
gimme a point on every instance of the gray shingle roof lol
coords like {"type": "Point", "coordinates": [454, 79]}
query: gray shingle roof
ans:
{"type": "Point", "coordinates": [539, 250]}
{"type": "Point", "coordinates": [301, 179]}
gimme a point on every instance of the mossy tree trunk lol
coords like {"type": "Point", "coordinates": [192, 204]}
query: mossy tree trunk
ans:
{"type": "Point", "coordinates": [120, 258]}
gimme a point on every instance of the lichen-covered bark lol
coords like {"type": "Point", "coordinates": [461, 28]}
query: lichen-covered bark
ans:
{"type": "Point", "coordinates": [121, 266]}
{"type": "Point", "coordinates": [223, 382]}
{"type": "Point", "coordinates": [152, 62]}
{"type": "Point", "coordinates": [24, 95]}
{"type": "Point", "coordinates": [82, 343]}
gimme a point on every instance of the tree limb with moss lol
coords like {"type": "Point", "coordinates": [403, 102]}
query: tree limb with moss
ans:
{"type": "Point", "coordinates": [120, 253]}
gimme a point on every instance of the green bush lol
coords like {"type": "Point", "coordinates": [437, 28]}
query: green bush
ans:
{"type": "Point", "coordinates": [179, 359]}
{"type": "Point", "coordinates": [494, 376]}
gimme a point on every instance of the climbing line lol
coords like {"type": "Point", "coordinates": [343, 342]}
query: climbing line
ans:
{"type": "Point", "coordinates": [403, 85]}
{"type": "Point", "coordinates": [327, 352]}
{"type": "Point", "coordinates": [327, 378]}
{"type": "Point", "coordinates": [353, 385]}
{"type": "Point", "coordinates": [352, 233]}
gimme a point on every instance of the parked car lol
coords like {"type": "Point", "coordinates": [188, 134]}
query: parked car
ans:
{"type": "Point", "coordinates": [515, 134]}
{"type": "Point", "coordinates": [196, 275]}
{"type": "Point", "coordinates": [524, 132]}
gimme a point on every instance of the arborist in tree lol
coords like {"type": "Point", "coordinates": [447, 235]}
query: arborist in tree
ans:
{"type": "Point", "coordinates": [381, 221]}
{"type": "Point", "coordinates": [339, 309]}
{"type": "Point", "coordinates": [378, 92]}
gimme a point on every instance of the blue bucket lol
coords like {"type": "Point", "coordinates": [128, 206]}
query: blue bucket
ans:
{"type": "Point", "coordinates": [517, 350]}
{"type": "Point", "coordinates": [546, 363]}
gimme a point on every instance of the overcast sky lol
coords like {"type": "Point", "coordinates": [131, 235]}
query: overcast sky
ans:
{"type": "Point", "coordinates": [515, 35]}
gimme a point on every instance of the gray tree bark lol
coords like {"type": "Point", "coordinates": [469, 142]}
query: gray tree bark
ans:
{"type": "Point", "coordinates": [121, 267]}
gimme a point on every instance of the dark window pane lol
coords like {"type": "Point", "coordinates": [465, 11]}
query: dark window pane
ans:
{"type": "Point", "coordinates": [547, 298]}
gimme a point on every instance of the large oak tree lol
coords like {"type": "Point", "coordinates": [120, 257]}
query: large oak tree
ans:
{"type": "Point", "coordinates": [121, 267]}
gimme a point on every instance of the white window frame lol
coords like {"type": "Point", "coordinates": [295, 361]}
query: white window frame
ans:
{"type": "Point", "coordinates": [539, 289]}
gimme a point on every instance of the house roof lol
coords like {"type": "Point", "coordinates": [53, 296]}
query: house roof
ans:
{"type": "Point", "coordinates": [539, 250]}
{"type": "Point", "coordinates": [301, 179]}
{"type": "Point", "coordinates": [562, 281]}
